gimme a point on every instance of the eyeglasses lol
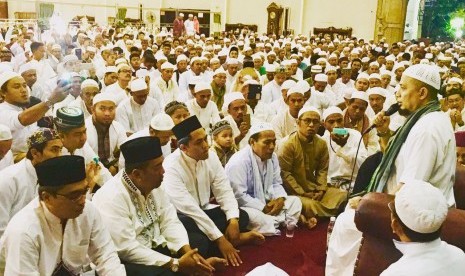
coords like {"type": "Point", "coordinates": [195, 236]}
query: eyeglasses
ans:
{"type": "Point", "coordinates": [77, 195]}
{"type": "Point", "coordinates": [310, 121]}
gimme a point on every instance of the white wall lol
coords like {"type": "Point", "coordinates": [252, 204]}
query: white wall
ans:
{"type": "Point", "coordinates": [304, 14]}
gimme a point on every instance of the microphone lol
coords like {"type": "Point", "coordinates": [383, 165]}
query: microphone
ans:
{"type": "Point", "coordinates": [391, 110]}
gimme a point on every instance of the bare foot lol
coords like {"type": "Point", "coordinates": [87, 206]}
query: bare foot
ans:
{"type": "Point", "coordinates": [309, 223]}
{"type": "Point", "coordinates": [251, 237]}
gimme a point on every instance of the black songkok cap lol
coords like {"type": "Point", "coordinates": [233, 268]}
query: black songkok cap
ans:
{"type": "Point", "coordinates": [61, 171]}
{"type": "Point", "coordinates": [69, 117]}
{"type": "Point", "coordinates": [141, 149]}
{"type": "Point", "coordinates": [184, 128]}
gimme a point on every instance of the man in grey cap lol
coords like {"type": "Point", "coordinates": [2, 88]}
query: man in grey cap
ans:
{"type": "Point", "coordinates": [417, 215]}
{"type": "Point", "coordinates": [422, 148]}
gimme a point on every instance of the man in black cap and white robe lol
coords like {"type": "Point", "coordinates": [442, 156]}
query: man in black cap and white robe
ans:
{"type": "Point", "coordinates": [192, 173]}
{"type": "Point", "coordinates": [59, 233]}
{"type": "Point", "coordinates": [143, 223]}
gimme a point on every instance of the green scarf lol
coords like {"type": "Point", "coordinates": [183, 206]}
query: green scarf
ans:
{"type": "Point", "coordinates": [380, 177]}
{"type": "Point", "coordinates": [218, 95]}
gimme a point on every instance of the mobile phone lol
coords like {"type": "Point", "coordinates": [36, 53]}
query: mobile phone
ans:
{"type": "Point", "coordinates": [340, 131]}
{"type": "Point", "coordinates": [255, 92]}
{"type": "Point", "coordinates": [455, 69]}
{"type": "Point", "coordinates": [78, 53]}
{"type": "Point", "coordinates": [247, 119]}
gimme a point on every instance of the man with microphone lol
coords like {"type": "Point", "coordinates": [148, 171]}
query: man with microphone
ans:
{"type": "Point", "coordinates": [422, 148]}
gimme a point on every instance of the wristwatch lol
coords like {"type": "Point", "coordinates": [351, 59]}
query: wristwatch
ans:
{"type": "Point", "coordinates": [174, 265]}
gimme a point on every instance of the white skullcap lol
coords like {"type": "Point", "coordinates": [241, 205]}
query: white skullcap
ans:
{"type": "Point", "coordinates": [321, 77]}
{"type": "Point", "coordinates": [455, 79]}
{"type": "Point", "coordinates": [260, 127]}
{"type": "Point", "coordinates": [288, 84]}
{"type": "Point", "coordinates": [397, 66]}
{"type": "Point", "coordinates": [374, 63]}
{"type": "Point", "coordinates": [308, 108]}
{"type": "Point", "coordinates": [250, 81]}
{"type": "Point", "coordinates": [247, 48]}
{"type": "Point", "coordinates": [240, 43]}
{"type": "Point", "coordinates": [6, 76]}
{"type": "Point", "coordinates": [181, 57]}
{"type": "Point", "coordinates": [293, 61]}
{"type": "Point", "coordinates": [304, 85]}
{"type": "Point", "coordinates": [121, 61]}
{"type": "Point", "coordinates": [91, 49]}
{"type": "Point", "coordinates": [103, 97]}
{"type": "Point", "coordinates": [69, 58]}
{"type": "Point", "coordinates": [385, 72]}
{"type": "Point", "coordinates": [181, 14]}
{"type": "Point", "coordinates": [5, 133]}
{"type": "Point", "coordinates": [390, 58]}
{"type": "Point", "coordinates": [214, 60]}
{"type": "Point", "coordinates": [138, 85]}
{"type": "Point", "coordinates": [219, 71]}
{"type": "Point", "coordinates": [122, 65]}
{"type": "Point", "coordinates": [167, 65]}
{"type": "Point", "coordinates": [194, 59]}
{"type": "Point", "coordinates": [330, 111]}
{"type": "Point", "coordinates": [428, 55]}
{"type": "Point", "coordinates": [330, 68]}
{"type": "Point", "coordinates": [5, 67]}
{"type": "Point", "coordinates": [295, 89]}
{"type": "Point", "coordinates": [89, 83]}
{"type": "Point", "coordinates": [375, 76]}
{"type": "Point", "coordinates": [316, 69]}
{"type": "Point", "coordinates": [231, 97]}
{"type": "Point", "coordinates": [270, 68]}
{"type": "Point", "coordinates": [427, 74]}
{"type": "Point", "coordinates": [421, 206]}
{"type": "Point", "coordinates": [271, 53]}
{"type": "Point", "coordinates": [377, 91]}
{"type": "Point", "coordinates": [201, 86]}
{"type": "Point", "coordinates": [160, 56]}
{"type": "Point", "coordinates": [365, 59]}
{"type": "Point", "coordinates": [232, 61]}
{"type": "Point", "coordinates": [111, 69]}
{"type": "Point", "coordinates": [424, 61]}
{"type": "Point", "coordinates": [360, 95]}
{"type": "Point", "coordinates": [142, 73]}
{"type": "Point", "coordinates": [27, 66]}
{"type": "Point", "coordinates": [162, 122]}
{"type": "Point", "coordinates": [56, 47]}
{"type": "Point", "coordinates": [363, 76]}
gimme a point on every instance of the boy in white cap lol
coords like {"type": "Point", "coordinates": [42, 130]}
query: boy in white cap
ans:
{"type": "Point", "coordinates": [104, 134]}
{"type": "Point", "coordinates": [417, 215]}
{"type": "Point", "coordinates": [135, 113]}
{"type": "Point", "coordinates": [256, 168]}
{"type": "Point", "coordinates": [6, 140]}
{"type": "Point", "coordinates": [404, 158]}
{"type": "Point", "coordinates": [202, 107]}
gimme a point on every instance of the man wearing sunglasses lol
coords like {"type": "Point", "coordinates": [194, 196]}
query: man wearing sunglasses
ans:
{"type": "Point", "coordinates": [59, 233]}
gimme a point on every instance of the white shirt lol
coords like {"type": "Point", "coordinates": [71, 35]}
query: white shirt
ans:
{"type": "Point", "coordinates": [169, 91]}
{"type": "Point", "coordinates": [64, 103]}
{"type": "Point", "coordinates": [427, 259]}
{"type": "Point", "coordinates": [78, 102]}
{"type": "Point", "coordinates": [138, 224]}
{"type": "Point", "coordinates": [7, 160]}
{"type": "Point", "coordinates": [44, 70]}
{"type": "Point", "coordinates": [207, 116]}
{"type": "Point", "coordinates": [284, 124]}
{"type": "Point", "coordinates": [271, 92]}
{"type": "Point", "coordinates": [189, 183]}
{"type": "Point", "coordinates": [349, 84]}
{"type": "Point", "coordinates": [185, 78]}
{"type": "Point", "coordinates": [18, 186]}
{"type": "Point", "coordinates": [116, 132]}
{"type": "Point", "coordinates": [341, 159]}
{"type": "Point", "coordinates": [318, 100]}
{"type": "Point", "coordinates": [428, 154]}
{"type": "Point", "coordinates": [134, 117]}
{"type": "Point", "coordinates": [32, 243]}
{"type": "Point", "coordinates": [119, 93]}
{"type": "Point", "coordinates": [189, 25]}
{"type": "Point", "coordinates": [9, 116]}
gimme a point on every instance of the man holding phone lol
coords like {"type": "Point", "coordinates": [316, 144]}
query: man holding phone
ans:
{"type": "Point", "coordinates": [235, 109]}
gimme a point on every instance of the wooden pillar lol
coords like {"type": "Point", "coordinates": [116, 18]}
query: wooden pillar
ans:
{"type": "Point", "coordinates": [4, 10]}
{"type": "Point", "coordinates": [390, 20]}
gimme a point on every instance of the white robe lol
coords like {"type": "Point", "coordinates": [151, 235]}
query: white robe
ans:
{"type": "Point", "coordinates": [207, 116]}
{"type": "Point", "coordinates": [78, 102]}
{"type": "Point", "coordinates": [284, 124]}
{"type": "Point", "coordinates": [119, 93]}
{"type": "Point", "coordinates": [427, 259]}
{"type": "Point", "coordinates": [32, 243]}
{"type": "Point", "coordinates": [189, 184]}
{"type": "Point", "coordinates": [124, 211]}
{"type": "Point", "coordinates": [170, 92]}
{"type": "Point", "coordinates": [18, 186]}
{"type": "Point", "coordinates": [7, 160]}
{"type": "Point", "coordinates": [134, 117]}
{"type": "Point", "coordinates": [249, 174]}
{"type": "Point", "coordinates": [9, 116]}
{"type": "Point", "coordinates": [117, 136]}
{"type": "Point", "coordinates": [434, 132]}
{"type": "Point", "coordinates": [271, 92]}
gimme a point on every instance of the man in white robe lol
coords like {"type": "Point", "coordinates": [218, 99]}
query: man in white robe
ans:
{"type": "Point", "coordinates": [235, 111]}
{"type": "Point", "coordinates": [272, 90]}
{"type": "Point", "coordinates": [18, 184]}
{"type": "Point", "coordinates": [143, 223]}
{"type": "Point", "coordinates": [202, 107]}
{"type": "Point", "coordinates": [255, 177]}
{"type": "Point", "coordinates": [104, 134]}
{"type": "Point", "coordinates": [6, 140]}
{"type": "Point", "coordinates": [192, 173]}
{"type": "Point", "coordinates": [432, 131]}
{"type": "Point", "coordinates": [119, 89]}
{"type": "Point", "coordinates": [165, 85]}
{"type": "Point", "coordinates": [44, 71]}
{"type": "Point", "coordinates": [135, 113]}
{"type": "Point", "coordinates": [417, 215]}
{"type": "Point", "coordinates": [89, 88]}
{"type": "Point", "coordinates": [59, 233]}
